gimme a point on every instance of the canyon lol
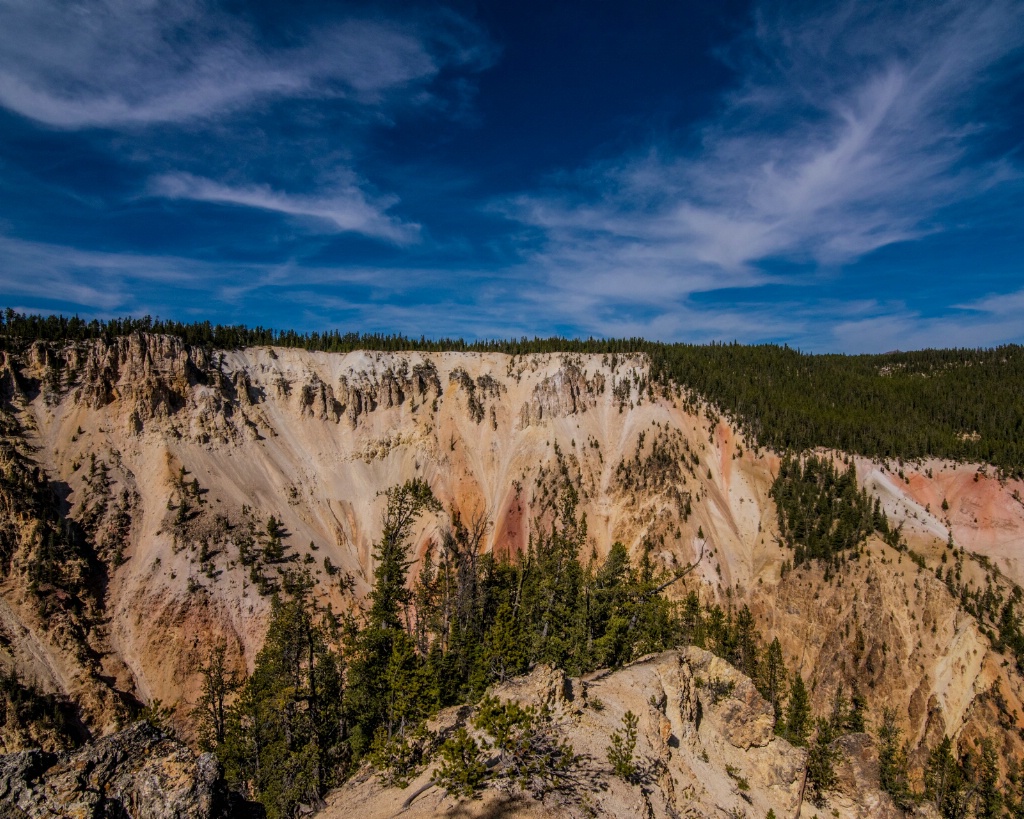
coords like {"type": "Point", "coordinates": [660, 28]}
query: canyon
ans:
{"type": "Point", "coordinates": [177, 461]}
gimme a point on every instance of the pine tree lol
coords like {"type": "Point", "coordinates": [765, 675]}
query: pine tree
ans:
{"type": "Point", "coordinates": [855, 722]}
{"type": "Point", "coordinates": [839, 716]}
{"type": "Point", "coordinates": [386, 686]}
{"type": "Point", "coordinates": [507, 646]}
{"type": "Point", "coordinates": [283, 740]}
{"type": "Point", "coordinates": [745, 652]}
{"type": "Point", "coordinates": [943, 780]}
{"type": "Point", "coordinates": [892, 761]}
{"type": "Point", "coordinates": [610, 610]}
{"type": "Point", "coordinates": [693, 627]}
{"type": "Point", "coordinates": [821, 759]}
{"type": "Point", "coordinates": [552, 582]}
{"type": "Point", "coordinates": [984, 773]}
{"type": "Point", "coordinates": [219, 684]}
{"type": "Point", "coordinates": [798, 711]}
{"type": "Point", "coordinates": [622, 747]}
{"type": "Point", "coordinates": [772, 680]}
{"type": "Point", "coordinates": [390, 595]}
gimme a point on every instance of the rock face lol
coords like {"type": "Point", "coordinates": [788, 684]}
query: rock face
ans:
{"type": "Point", "coordinates": [857, 775]}
{"type": "Point", "coordinates": [139, 773]}
{"type": "Point", "coordinates": [565, 392]}
{"type": "Point", "coordinates": [703, 749]}
{"type": "Point", "coordinates": [734, 706]}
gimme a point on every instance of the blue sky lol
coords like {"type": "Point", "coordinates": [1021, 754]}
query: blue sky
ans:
{"type": "Point", "coordinates": [840, 177]}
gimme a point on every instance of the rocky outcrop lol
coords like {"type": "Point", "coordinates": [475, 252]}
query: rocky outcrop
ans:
{"type": "Point", "coordinates": [139, 773]}
{"type": "Point", "coordinates": [318, 400]}
{"type": "Point", "coordinates": [701, 750]}
{"type": "Point", "coordinates": [151, 373]}
{"type": "Point", "coordinates": [730, 700]}
{"type": "Point", "coordinates": [363, 392]}
{"type": "Point", "coordinates": [477, 391]}
{"type": "Point", "coordinates": [567, 392]}
{"type": "Point", "coordinates": [856, 793]}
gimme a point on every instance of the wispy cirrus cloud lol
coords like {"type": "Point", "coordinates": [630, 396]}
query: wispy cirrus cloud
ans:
{"type": "Point", "coordinates": [847, 131]}
{"type": "Point", "coordinates": [96, 281]}
{"type": "Point", "coordinates": [345, 209]}
{"type": "Point", "coordinates": [102, 283]}
{"type": "Point", "coordinates": [97, 284]}
{"type": "Point", "coordinates": [484, 305]}
{"type": "Point", "coordinates": [138, 66]}
{"type": "Point", "coordinates": [122, 63]}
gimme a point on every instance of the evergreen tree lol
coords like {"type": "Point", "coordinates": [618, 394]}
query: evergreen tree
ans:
{"type": "Point", "coordinates": [772, 680]}
{"type": "Point", "coordinates": [622, 747]}
{"type": "Point", "coordinates": [839, 717]}
{"type": "Point", "coordinates": [983, 770]}
{"type": "Point", "coordinates": [693, 630]}
{"type": "Point", "coordinates": [798, 712]}
{"type": "Point", "coordinates": [387, 685]}
{"type": "Point", "coordinates": [893, 777]}
{"type": "Point", "coordinates": [507, 645]}
{"type": "Point", "coordinates": [821, 759]}
{"type": "Point", "coordinates": [855, 722]}
{"type": "Point", "coordinates": [744, 655]}
{"type": "Point", "coordinates": [556, 581]}
{"type": "Point", "coordinates": [219, 684]}
{"type": "Point", "coordinates": [608, 633]}
{"type": "Point", "coordinates": [284, 741]}
{"type": "Point", "coordinates": [944, 780]}
{"type": "Point", "coordinates": [389, 595]}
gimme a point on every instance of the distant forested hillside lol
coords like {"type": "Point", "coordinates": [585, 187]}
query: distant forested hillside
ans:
{"type": "Point", "coordinates": [960, 404]}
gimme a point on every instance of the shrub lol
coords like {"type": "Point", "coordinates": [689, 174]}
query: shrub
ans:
{"type": "Point", "coordinates": [623, 744]}
{"type": "Point", "coordinates": [529, 757]}
{"type": "Point", "coordinates": [463, 770]}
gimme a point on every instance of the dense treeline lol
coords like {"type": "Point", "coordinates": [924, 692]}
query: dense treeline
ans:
{"type": "Point", "coordinates": [960, 404]}
{"type": "Point", "coordinates": [822, 512]}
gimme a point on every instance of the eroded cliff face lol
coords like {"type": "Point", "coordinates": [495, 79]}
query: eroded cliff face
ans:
{"type": "Point", "coordinates": [172, 460]}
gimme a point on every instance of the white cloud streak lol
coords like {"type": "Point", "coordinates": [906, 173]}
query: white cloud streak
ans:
{"type": "Point", "coordinates": [989, 322]}
{"type": "Point", "coordinates": [346, 209]}
{"type": "Point", "coordinates": [118, 63]}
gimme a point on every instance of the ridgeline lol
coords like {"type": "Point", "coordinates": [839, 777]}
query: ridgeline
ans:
{"type": "Point", "coordinates": [960, 404]}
